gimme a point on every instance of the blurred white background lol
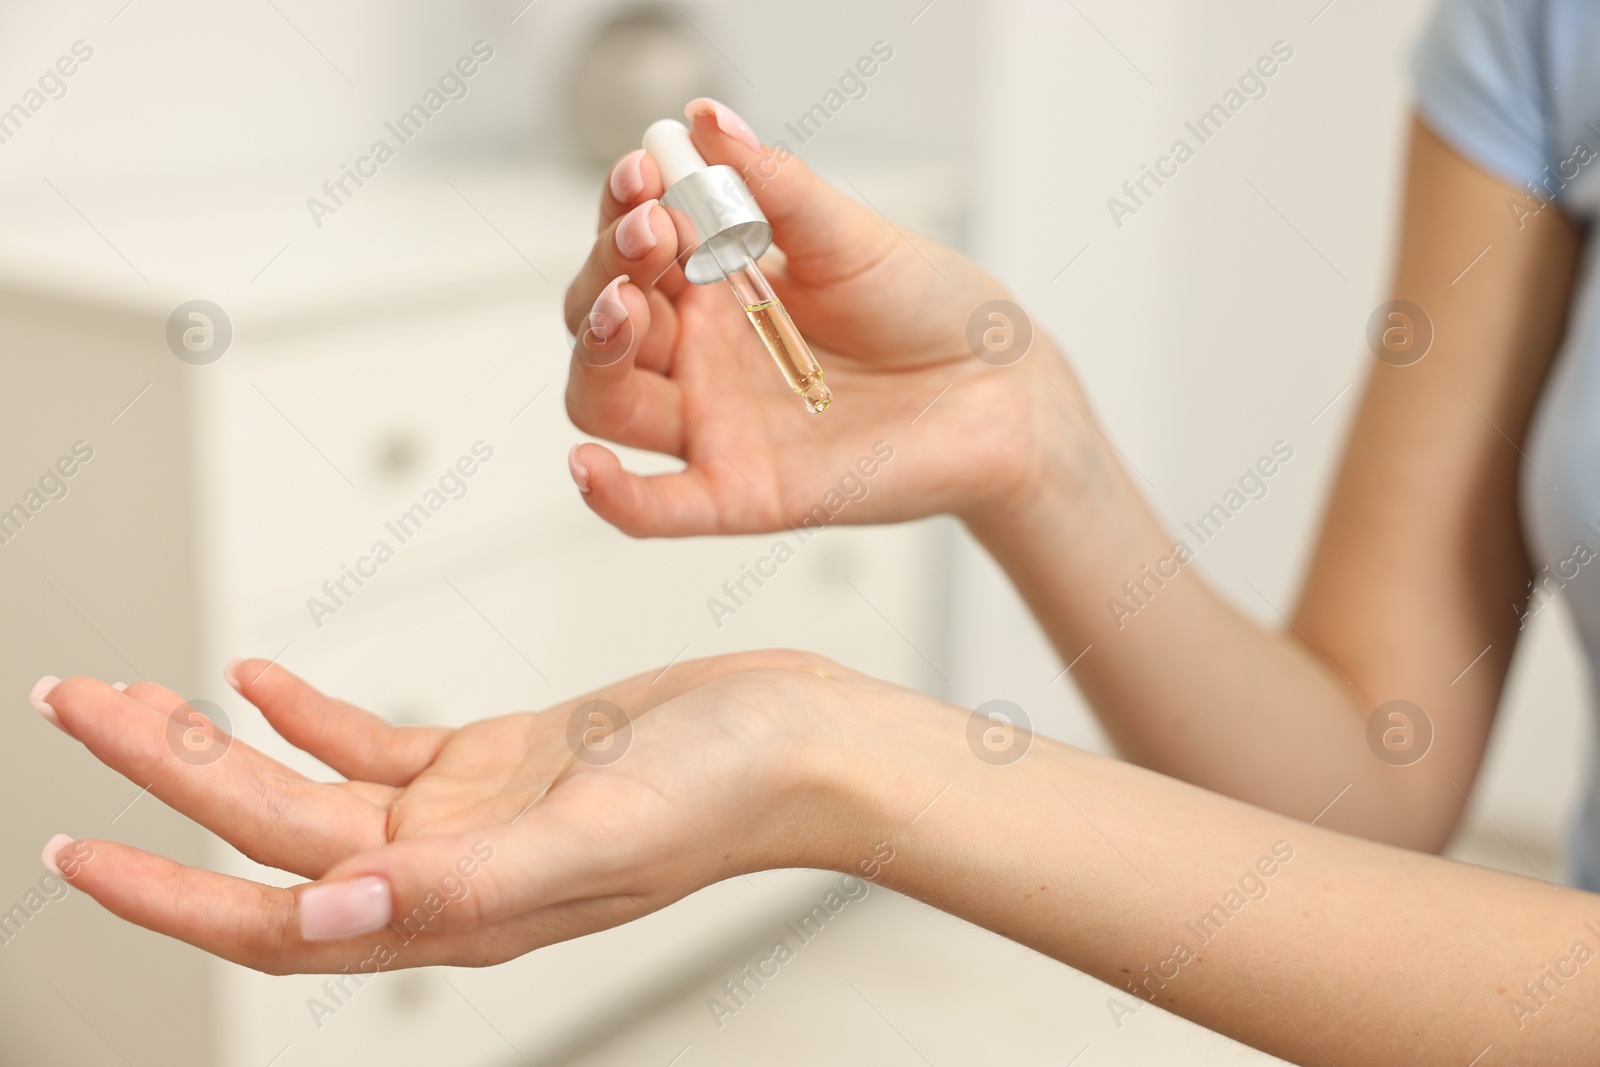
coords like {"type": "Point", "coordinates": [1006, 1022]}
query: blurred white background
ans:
{"type": "Point", "coordinates": [369, 352]}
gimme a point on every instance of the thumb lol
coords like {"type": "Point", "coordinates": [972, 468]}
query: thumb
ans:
{"type": "Point", "coordinates": [825, 235]}
{"type": "Point", "coordinates": [439, 883]}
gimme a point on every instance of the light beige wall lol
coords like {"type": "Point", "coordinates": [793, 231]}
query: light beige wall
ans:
{"type": "Point", "coordinates": [98, 583]}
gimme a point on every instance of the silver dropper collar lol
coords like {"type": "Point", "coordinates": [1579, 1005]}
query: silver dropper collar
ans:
{"type": "Point", "coordinates": [725, 218]}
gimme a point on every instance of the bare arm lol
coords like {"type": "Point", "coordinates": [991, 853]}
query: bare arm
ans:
{"type": "Point", "coordinates": [1312, 945]}
{"type": "Point", "coordinates": [1418, 566]}
{"type": "Point", "coordinates": [477, 845]}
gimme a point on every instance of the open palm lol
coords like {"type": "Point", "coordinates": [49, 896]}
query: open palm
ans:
{"type": "Point", "coordinates": [492, 839]}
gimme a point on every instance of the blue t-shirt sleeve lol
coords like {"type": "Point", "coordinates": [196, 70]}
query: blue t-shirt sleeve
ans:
{"type": "Point", "coordinates": [1476, 72]}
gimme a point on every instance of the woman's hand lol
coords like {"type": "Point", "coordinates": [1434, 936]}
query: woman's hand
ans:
{"type": "Point", "coordinates": [473, 846]}
{"type": "Point", "coordinates": [469, 846]}
{"type": "Point", "coordinates": [676, 368]}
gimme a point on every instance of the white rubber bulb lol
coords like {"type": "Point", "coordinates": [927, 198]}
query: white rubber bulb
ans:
{"type": "Point", "coordinates": [668, 143]}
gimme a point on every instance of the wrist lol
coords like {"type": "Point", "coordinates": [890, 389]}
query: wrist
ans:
{"type": "Point", "coordinates": [1045, 447]}
{"type": "Point", "coordinates": [1067, 485]}
{"type": "Point", "coordinates": [865, 759]}
{"type": "Point", "coordinates": [917, 797]}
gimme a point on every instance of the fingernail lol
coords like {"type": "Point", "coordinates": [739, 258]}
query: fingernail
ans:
{"type": "Point", "coordinates": [230, 672]}
{"type": "Point", "coordinates": [344, 909]}
{"type": "Point", "coordinates": [608, 313]}
{"type": "Point", "coordinates": [580, 473]}
{"type": "Point", "coordinates": [634, 235]}
{"type": "Point", "coordinates": [51, 847]}
{"type": "Point", "coordinates": [121, 687]}
{"type": "Point", "coordinates": [627, 177]}
{"type": "Point", "coordinates": [728, 121]}
{"type": "Point", "coordinates": [36, 698]}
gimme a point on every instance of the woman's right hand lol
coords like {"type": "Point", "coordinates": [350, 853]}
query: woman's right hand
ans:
{"type": "Point", "coordinates": [671, 367]}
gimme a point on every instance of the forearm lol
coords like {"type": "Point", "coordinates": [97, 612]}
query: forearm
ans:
{"type": "Point", "coordinates": [1312, 945]}
{"type": "Point", "coordinates": [1182, 681]}
{"type": "Point", "coordinates": [1418, 570]}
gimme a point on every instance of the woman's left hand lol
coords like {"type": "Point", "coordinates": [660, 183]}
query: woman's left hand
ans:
{"type": "Point", "coordinates": [475, 845]}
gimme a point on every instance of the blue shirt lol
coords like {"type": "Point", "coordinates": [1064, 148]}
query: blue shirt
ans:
{"type": "Point", "coordinates": [1514, 86]}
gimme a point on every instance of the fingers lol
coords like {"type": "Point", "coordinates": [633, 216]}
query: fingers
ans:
{"type": "Point", "coordinates": [823, 232]}
{"type": "Point", "coordinates": [591, 837]}
{"type": "Point", "coordinates": [230, 917]}
{"type": "Point", "coordinates": [159, 741]}
{"type": "Point", "coordinates": [455, 882]}
{"type": "Point", "coordinates": [634, 179]}
{"type": "Point", "coordinates": [248, 923]}
{"type": "Point", "coordinates": [642, 244]}
{"type": "Point", "coordinates": [657, 505]}
{"type": "Point", "coordinates": [474, 897]}
{"type": "Point", "coordinates": [619, 310]}
{"type": "Point", "coordinates": [355, 743]}
{"type": "Point", "coordinates": [613, 391]}
{"type": "Point", "coordinates": [261, 926]}
{"type": "Point", "coordinates": [825, 235]}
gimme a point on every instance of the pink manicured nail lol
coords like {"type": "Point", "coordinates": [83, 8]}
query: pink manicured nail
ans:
{"type": "Point", "coordinates": [344, 909]}
{"type": "Point", "coordinates": [728, 121]}
{"type": "Point", "coordinates": [627, 177]}
{"type": "Point", "coordinates": [634, 235]}
{"type": "Point", "coordinates": [580, 473]}
{"type": "Point", "coordinates": [121, 687]}
{"type": "Point", "coordinates": [609, 312]}
{"type": "Point", "coordinates": [230, 672]}
{"type": "Point", "coordinates": [36, 698]}
{"type": "Point", "coordinates": [51, 847]}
